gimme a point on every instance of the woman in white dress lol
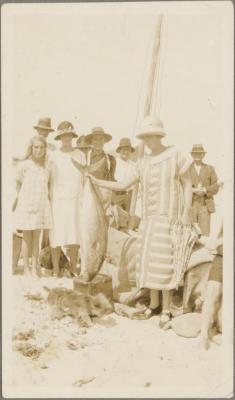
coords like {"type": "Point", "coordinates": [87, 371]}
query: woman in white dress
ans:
{"type": "Point", "coordinates": [65, 192]}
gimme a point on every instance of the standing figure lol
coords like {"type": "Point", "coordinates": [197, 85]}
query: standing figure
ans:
{"type": "Point", "coordinates": [32, 206]}
{"type": "Point", "coordinates": [205, 186]}
{"type": "Point", "coordinates": [65, 193]}
{"type": "Point", "coordinates": [124, 165]}
{"type": "Point", "coordinates": [166, 194]}
{"type": "Point", "coordinates": [104, 164]}
{"type": "Point", "coordinates": [212, 305]}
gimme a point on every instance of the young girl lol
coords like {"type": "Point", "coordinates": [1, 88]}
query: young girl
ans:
{"type": "Point", "coordinates": [33, 212]}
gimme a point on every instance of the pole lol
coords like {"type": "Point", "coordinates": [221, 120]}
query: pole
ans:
{"type": "Point", "coordinates": [150, 96]}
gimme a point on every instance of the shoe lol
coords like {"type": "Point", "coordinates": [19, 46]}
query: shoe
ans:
{"type": "Point", "coordinates": [164, 322]}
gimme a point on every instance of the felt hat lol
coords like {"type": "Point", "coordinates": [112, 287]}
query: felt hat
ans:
{"type": "Point", "coordinates": [98, 131]}
{"type": "Point", "coordinates": [198, 148]}
{"type": "Point", "coordinates": [44, 123]}
{"type": "Point", "coordinates": [151, 127]}
{"type": "Point", "coordinates": [125, 142]}
{"type": "Point", "coordinates": [65, 127]}
{"type": "Point", "coordinates": [82, 143]}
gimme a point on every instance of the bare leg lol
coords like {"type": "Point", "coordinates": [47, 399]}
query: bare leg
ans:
{"type": "Point", "coordinates": [73, 256]}
{"type": "Point", "coordinates": [165, 316]}
{"type": "Point", "coordinates": [55, 253]}
{"type": "Point", "coordinates": [26, 246]}
{"type": "Point", "coordinates": [213, 293]}
{"type": "Point", "coordinates": [17, 244]}
{"type": "Point", "coordinates": [154, 299]}
{"type": "Point", "coordinates": [35, 251]}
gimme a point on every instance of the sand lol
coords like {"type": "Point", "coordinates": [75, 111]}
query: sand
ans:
{"type": "Point", "coordinates": [116, 357]}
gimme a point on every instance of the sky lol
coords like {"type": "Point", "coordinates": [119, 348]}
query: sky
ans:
{"type": "Point", "coordinates": [85, 63]}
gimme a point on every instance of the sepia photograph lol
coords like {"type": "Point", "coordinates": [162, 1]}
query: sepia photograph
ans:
{"type": "Point", "coordinates": [117, 199]}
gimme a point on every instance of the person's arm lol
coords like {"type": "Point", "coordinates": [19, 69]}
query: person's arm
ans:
{"type": "Point", "coordinates": [112, 168]}
{"type": "Point", "coordinates": [187, 192]}
{"type": "Point", "coordinates": [213, 188]}
{"type": "Point", "coordinates": [124, 185]}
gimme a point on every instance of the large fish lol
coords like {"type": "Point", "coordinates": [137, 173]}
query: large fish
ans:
{"type": "Point", "coordinates": [93, 226]}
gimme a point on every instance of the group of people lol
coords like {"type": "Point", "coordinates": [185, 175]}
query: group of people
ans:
{"type": "Point", "coordinates": [49, 188]}
{"type": "Point", "coordinates": [173, 187]}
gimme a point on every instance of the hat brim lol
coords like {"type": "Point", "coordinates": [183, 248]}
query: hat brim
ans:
{"type": "Point", "coordinates": [198, 151]}
{"type": "Point", "coordinates": [44, 128]}
{"type": "Point", "coordinates": [58, 135]}
{"type": "Point", "coordinates": [121, 147]}
{"type": "Point", "coordinates": [143, 135]}
{"type": "Point", "coordinates": [90, 136]}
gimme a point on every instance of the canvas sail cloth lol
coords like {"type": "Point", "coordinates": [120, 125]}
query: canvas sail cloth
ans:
{"type": "Point", "coordinates": [164, 243]}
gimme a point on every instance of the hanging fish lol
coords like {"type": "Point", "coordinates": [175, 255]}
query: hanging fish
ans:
{"type": "Point", "coordinates": [93, 226]}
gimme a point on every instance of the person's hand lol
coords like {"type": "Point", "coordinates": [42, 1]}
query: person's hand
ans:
{"type": "Point", "coordinates": [93, 180]}
{"type": "Point", "coordinates": [199, 192]}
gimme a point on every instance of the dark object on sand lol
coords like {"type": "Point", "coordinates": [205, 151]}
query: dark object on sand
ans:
{"type": "Point", "coordinates": [45, 259]}
{"type": "Point", "coordinates": [100, 284]}
{"type": "Point", "coordinates": [82, 307]}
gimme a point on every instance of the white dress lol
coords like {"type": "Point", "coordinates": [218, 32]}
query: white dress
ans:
{"type": "Point", "coordinates": [66, 184]}
{"type": "Point", "coordinates": [33, 210]}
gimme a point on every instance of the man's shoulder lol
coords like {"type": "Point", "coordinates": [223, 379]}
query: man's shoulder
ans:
{"type": "Point", "coordinates": [208, 167]}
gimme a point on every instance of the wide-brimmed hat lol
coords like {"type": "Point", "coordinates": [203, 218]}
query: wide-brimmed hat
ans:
{"type": "Point", "coordinates": [151, 127]}
{"type": "Point", "coordinates": [44, 123]}
{"type": "Point", "coordinates": [65, 127]}
{"type": "Point", "coordinates": [124, 142]}
{"type": "Point", "coordinates": [82, 143]}
{"type": "Point", "coordinates": [98, 131]}
{"type": "Point", "coordinates": [198, 148]}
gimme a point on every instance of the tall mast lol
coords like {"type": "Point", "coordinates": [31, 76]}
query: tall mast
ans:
{"type": "Point", "coordinates": [150, 96]}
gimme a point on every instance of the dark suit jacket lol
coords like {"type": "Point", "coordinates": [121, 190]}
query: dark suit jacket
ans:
{"type": "Point", "coordinates": [209, 181]}
{"type": "Point", "coordinates": [107, 170]}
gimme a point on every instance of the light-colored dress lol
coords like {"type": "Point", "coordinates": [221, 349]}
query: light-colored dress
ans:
{"type": "Point", "coordinates": [162, 204]}
{"type": "Point", "coordinates": [66, 194]}
{"type": "Point", "coordinates": [33, 209]}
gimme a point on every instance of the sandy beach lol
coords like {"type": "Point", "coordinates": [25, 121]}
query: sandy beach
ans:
{"type": "Point", "coordinates": [116, 357]}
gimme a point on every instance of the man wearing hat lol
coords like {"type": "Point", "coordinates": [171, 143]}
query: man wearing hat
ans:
{"type": "Point", "coordinates": [43, 128]}
{"type": "Point", "coordinates": [123, 168]}
{"type": "Point", "coordinates": [205, 186]}
{"type": "Point", "coordinates": [106, 168]}
{"type": "Point", "coordinates": [83, 145]}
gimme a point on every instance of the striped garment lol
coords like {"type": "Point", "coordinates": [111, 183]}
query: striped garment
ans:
{"type": "Point", "coordinates": [162, 204]}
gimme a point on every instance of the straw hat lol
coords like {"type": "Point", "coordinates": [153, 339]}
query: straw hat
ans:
{"type": "Point", "coordinates": [151, 127]}
{"type": "Point", "coordinates": [44, 123]}
{"type": "Point", "coordinates": [98, 131]}
{"type": "Point", "coordinates": [198, 148]}
{"type": "Point", "coordinates": [125, 142]}
{"type": "Point", "coordinates": [65, 127]}
{"type": "Point", "coordinates": [82, 143]}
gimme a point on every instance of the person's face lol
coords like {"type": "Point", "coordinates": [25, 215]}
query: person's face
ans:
{"type": "Point", "coordinates": [98, 142]}
{"type": "Point", "coordinates": [66, 139]}
{"type": "Point", "coordinates": [38, 150]}
{"type": "Point", "coordinates": [125, 152]}
{"type": "Point", "coordinates": [42, 132]}
{"type": "Point", "coordinates": [198, 157]}
{"type": "Point", "coordinates": [152, 141]}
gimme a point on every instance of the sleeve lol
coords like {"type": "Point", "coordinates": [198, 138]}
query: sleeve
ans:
{"type": "Point", "coordinates": [20, 172]}
{"type": "Point", "coordinates": [213, 188]}
{"type": "Point", "coordinates": [184, 162]}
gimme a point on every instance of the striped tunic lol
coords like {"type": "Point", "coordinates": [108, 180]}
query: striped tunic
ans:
{"type": "Point", "coordinates": [162, 203]}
